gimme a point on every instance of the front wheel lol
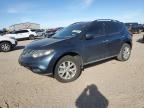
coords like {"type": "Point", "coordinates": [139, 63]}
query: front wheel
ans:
{"type": "Point", "coordinates": [5, 46]}
{"type": "Point", "coordinates": [67, 69]}
{"type": "Point", "coordinates": [124, 53]}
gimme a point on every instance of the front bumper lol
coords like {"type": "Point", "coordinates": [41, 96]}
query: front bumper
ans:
{"type": "Point", "coordinates": [14, 45]}
{"type": "Point", "coordinates": [42, 65]}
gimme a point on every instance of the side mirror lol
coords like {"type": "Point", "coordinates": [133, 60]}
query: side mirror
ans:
{"type": "Point", "coordinates": [89, 36]}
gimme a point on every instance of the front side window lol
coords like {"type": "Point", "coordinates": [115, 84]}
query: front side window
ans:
{"type": "Point", "coordinates": [37, 30]}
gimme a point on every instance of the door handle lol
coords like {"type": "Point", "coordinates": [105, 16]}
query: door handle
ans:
{"type": "Point", "coordinates": [105, 41]}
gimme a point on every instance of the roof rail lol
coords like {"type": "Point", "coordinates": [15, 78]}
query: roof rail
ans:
{"type": "Point", "coordinates": [79, 22]}
{"type": "Point", "coordinates": [107, 20]}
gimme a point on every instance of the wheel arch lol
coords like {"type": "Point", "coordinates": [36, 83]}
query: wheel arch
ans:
{"type": "Point", "coordinates": [128, 42]}
{"type": "Point", "coordinates": [74, 54]}
{"type": "Point", "coordinates": [5, 41]}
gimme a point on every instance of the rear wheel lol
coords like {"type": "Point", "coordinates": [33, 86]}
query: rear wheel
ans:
{"type": "Point", "coordinates": [5, 46]}
{"type": "Point", "coordinates": [67, 69]}
{"type": "Point", "coordinates": [31, 37]}
{"type": "Point", "coordinates": [124, 53]}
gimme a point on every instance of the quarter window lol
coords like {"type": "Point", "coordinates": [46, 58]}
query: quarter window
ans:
{"type": "Point", "coordinates": [112, 27]}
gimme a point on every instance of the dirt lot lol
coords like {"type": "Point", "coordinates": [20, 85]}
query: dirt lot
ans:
{"type": "Point", "coordinates": [111, 84]}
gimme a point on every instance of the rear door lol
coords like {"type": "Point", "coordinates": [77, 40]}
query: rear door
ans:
{"type": "Point", "coordinates": [95, 49]}
{"type": "Point", "coordinates": [22, 34]}
{"type": "Point", "coordinates": [113, 37]}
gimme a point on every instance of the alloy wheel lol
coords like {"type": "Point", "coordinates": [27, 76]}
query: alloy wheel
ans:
{"type": "Point", "coordinates": [5, 47]}
{"type": "Point", "coordinates": [67, 70]}
{"type": "Point", "coordinates": [126, 52]}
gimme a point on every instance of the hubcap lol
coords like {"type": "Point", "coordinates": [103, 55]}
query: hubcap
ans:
{"type": "Point", "coordinates": [5, 47]}
{"type": "Point", "coordinates": [67, 70]}
{"type": "Point", "coordinates": [126, 52]}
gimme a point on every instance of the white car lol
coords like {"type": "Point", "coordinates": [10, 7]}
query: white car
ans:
{"type": "Point", "coordinates": [7, 44]}
{"type": "Point", "coordinates": [39, 32]}
{"type": "Point", "coordinates": [22, 34]}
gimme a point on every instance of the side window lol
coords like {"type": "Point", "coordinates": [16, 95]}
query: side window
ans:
{"type": "Point", "coordinates": [16, 32]}
{"type": "Point", "coordinates": [96, 29]}
{"type": "Point", "coordinates": [34, 30]}
{"type": "Point", "coordinates": [112, 27]}
{"type": "Point", "coordinates": [22, 31]}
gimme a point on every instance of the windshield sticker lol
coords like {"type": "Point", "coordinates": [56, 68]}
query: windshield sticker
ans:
{"type": "Point", "coordinates": [76, 31]}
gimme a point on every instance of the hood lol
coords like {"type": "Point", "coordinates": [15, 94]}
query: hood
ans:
{"type": "Point", "coordinates": [3, 38]}
{"type": "Point", "coordinates": [43, 43]}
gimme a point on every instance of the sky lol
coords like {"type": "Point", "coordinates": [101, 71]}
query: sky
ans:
{"type": "Point", "coordinates": [55, 13]}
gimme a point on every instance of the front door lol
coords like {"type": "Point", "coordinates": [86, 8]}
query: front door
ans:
{"type": "Point", "coordinates": [95, 48]}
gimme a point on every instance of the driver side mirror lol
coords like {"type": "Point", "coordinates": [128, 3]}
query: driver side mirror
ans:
{"type": "Point", "coordinates": [89, 36]}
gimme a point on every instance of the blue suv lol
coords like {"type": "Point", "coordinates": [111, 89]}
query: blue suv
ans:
{"type": "Point", "coordinates": [65, 54]}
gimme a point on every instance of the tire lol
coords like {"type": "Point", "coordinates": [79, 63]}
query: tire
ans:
{"type": "Point", "coordinates": [124, 53]}
{"type": "Point", "coordinates": [5, 46]}
{"type": "Point", "coordinates": [65, 76]}
{"type": "Point", "coordinates": [31, 37]}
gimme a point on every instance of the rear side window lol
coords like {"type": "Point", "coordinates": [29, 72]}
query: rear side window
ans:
{"type": "Point", "coordinates": [22, 31]}
{"type": "Point", "coordinates": [37, 30]}
{"type": "Point", "coordinates": [113, 27]}
{"type": "Point", "coordinates": [33, 30]}
{"type": "Point", "coordinates": [96, 29]}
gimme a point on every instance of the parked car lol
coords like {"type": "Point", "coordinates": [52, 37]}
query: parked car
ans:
{"type": "Point", "coordinates": [2, 32]}
{"type": "Point", "coordinates": [143, 27]}
{"type": "Point", "coordinates": [65, 54]}
{"type": "Point", "coordinates": [22, 34]}
{"type": "Point", "coordinates": [134, 27]}
{"type": "Point", "coordinates": [7, 44]}
{"type": "Point", "coordinates": [143, 39]}
{"type": "Point", "coordinates": [39, 32]}
{"type": "Point", "coordinates": [51, 32]}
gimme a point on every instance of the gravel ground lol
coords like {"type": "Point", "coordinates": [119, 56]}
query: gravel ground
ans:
{"type": "Point", "coordinates": [108, 84]}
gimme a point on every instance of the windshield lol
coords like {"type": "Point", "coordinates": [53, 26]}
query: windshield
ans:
{"type": "Point", "coordinates": [71, 31]}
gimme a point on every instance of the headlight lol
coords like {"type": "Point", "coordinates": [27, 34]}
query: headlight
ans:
{"type": "Point", "coordinates": [40, 53]}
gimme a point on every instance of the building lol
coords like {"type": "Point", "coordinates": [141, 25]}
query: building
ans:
{"type": "Point", "coordinates": [21, 26]}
